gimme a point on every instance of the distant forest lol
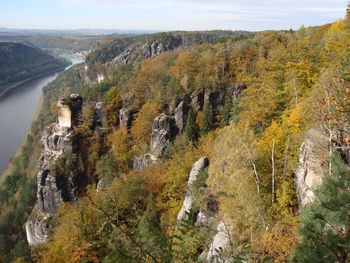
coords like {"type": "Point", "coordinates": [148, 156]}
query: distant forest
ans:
{"type": "Point", "coordinates": [21, 61]}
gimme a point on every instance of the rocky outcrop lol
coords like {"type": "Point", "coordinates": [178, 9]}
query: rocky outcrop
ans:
{"type": "Point", "coordinates": [141, 162]}
{"type": "Point", "coordinates": [312, 159]}
{"type": "Point", "coordinates": [221, 246]}
{"type": "Point", "coordinates": [68, 110]}
{"type": "Point", "coordinates": [125, 117]}
{"type": "Point", "coordinates": [180, 116]}
{"type": "Point", "coordinates": [140, 51]}
{"type": "Point", "coordinates": [197, 101]}
{"type": "Point", "coordinates": [53, 188]}
{"type": "Point", "coordinates": [189, 198]}
{"type": "Point", "coordinates": [100, 78]}
{"type": "Point", "coordinates": [100, 115]}
{"type": "Point", "coordinates": [237, 89]}
{"type": "Point", "coordinates": [161, 135]}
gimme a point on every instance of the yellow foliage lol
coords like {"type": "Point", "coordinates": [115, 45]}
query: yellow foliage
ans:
{"type": "Point", "coordinates": [120, 146]}
{"type": "Point", "coordinates": [68, 244]}
{"type": "Point", "coordinates": [175, 179]}
{"type": "Point", "coordinates": [277, 243]}
{"type": "Point", "coordinates": [233, 179]}
{"type": "Point", "coordinates": [113, 104]}
{"type": "Point", "coordinates": [142, 126]}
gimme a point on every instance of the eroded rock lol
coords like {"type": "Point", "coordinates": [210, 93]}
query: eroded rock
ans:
{"type": "Point", "coordinates": [125, 117]}
{"type": "Point", "coordinates": [161, 135]}
{"type": "Point", "coordinates": [100, 115]}
{"type": "Point", "coordinates": [312, 159]}
{"type": "Point", "coordinates": [180, 116]}
{"type": "Point", "coordinates": [53, 188]}
{"type": "Point", "coordinates": [221, 246]}
{"type": "Point", "coordinates": [187, 206]}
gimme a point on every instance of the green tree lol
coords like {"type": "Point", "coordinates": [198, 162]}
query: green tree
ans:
{"type": "Point", "coordinates": [207, 121]}
{"type": "Point", "coordinates": [149, 234]}
{"type": "Point", "coordinates": [227, 111]}
{"type": "Point", "coordinates": [191, 127]}
{"type": "Point", "coordinates": [325, 231]}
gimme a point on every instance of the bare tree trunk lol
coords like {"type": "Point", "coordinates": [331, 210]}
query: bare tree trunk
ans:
{"type": "Point", "coordinates": [257, 182]}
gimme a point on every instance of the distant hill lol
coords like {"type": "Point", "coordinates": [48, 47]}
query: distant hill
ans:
{"type": "Point", "coordinates": [20, 61]}
{"type": "Point", "coordinates": [74, 43]}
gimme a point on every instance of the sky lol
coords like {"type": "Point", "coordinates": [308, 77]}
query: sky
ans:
{"type": "Point", "coordinates": [166, 15]}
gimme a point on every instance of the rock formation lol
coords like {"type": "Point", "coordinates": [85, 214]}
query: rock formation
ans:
{"type": "Point", "coordinates": [180, 116]}
{"type": "Point", "coordinates": [125, 117]}
{"type": "Point", "coordinates": [312, 159]}
{"type": "Point", "coordinates": [221, 246]}
{"type": "Point", "coordinates": [161, 135]}
{"type": "Point", "coordinates": [100, 115]}
{"type": "Point", "coordinates": [189, 198]}
{"type": "Point", "coordinates": [141, 162]}
{"type": "Point", "coordinates": [140, 51]}
{"type": "Point", "coordinates": [53, 188]}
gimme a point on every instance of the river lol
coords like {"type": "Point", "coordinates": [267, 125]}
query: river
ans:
{"type": "Point", "coordinates": [17, 110]}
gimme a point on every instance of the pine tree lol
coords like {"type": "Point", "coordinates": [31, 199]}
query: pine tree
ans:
{"type": "Point", "coordinates": [207, 121]}
{"type": "Point", "coordinates": [325, 231]}
{"type": "Point", "coordinates": [191, 127]}
{"type": "Point", "coordinates": [227, 111]}
{"type": "Point", "coordinates": [149, 234]}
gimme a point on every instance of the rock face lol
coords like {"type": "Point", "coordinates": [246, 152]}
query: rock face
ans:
{"type": "Point", "coordinates": [161, 135]}
{"type": "Point", "coordinates": [180, 116]}
{"type": "Point", "coordinates": [312, 159]}
{"type": "Point", "coordinates": [125, 117]}
{"type": "Point", "coordinates": [100, 78]}
{"type": "Point", "coordinates": [52, 188]}
{"type": "Point", "coordinates": [141, 51]}
{"type": "Point", "coordinates": [197, 101]}
{"type": "Point", "coordinates": [237, 89]}
{"type": "Point", "coordinates": [221, 245]}
{"type": "Point", "coordinates": [140, 163]}
{"type": "Point", "coordinates": [189, 198]}
{"type": "Point", "coordinates": [68, 109]}
{"type": "Point", "coordinates": [100, 115]}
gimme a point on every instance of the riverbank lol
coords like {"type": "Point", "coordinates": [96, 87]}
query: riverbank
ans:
{"type": "Point", "coordinates": [14, 85]}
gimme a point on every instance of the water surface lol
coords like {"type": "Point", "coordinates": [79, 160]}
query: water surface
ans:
{"type": "Point", "coordinates": [17, 110]}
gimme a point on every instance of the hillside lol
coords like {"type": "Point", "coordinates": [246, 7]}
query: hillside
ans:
{"type": "Point", "coordinates": [22, 61]}
{"type": "Point", "coordinates": [74, 43]}
{"type": "Point", "coordinates": [189, 147]}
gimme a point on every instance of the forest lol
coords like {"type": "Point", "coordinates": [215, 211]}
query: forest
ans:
{"type": "Point", "coordinates": [22, 61]}
{"type": "Point", "coordinates": [252, 99]}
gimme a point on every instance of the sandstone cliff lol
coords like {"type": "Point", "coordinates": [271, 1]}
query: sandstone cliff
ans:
{"type": "Point", "coordinates": [53, 188]}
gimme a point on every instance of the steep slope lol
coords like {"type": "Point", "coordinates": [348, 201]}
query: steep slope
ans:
{"type": "Point", "coordinates": [21, 61]}
{"type": "Point", "coordinates": [194, 153]}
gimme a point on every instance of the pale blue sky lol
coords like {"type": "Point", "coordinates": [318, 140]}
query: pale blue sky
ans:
{"type": "Point", "coordinates": [164, 15]}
